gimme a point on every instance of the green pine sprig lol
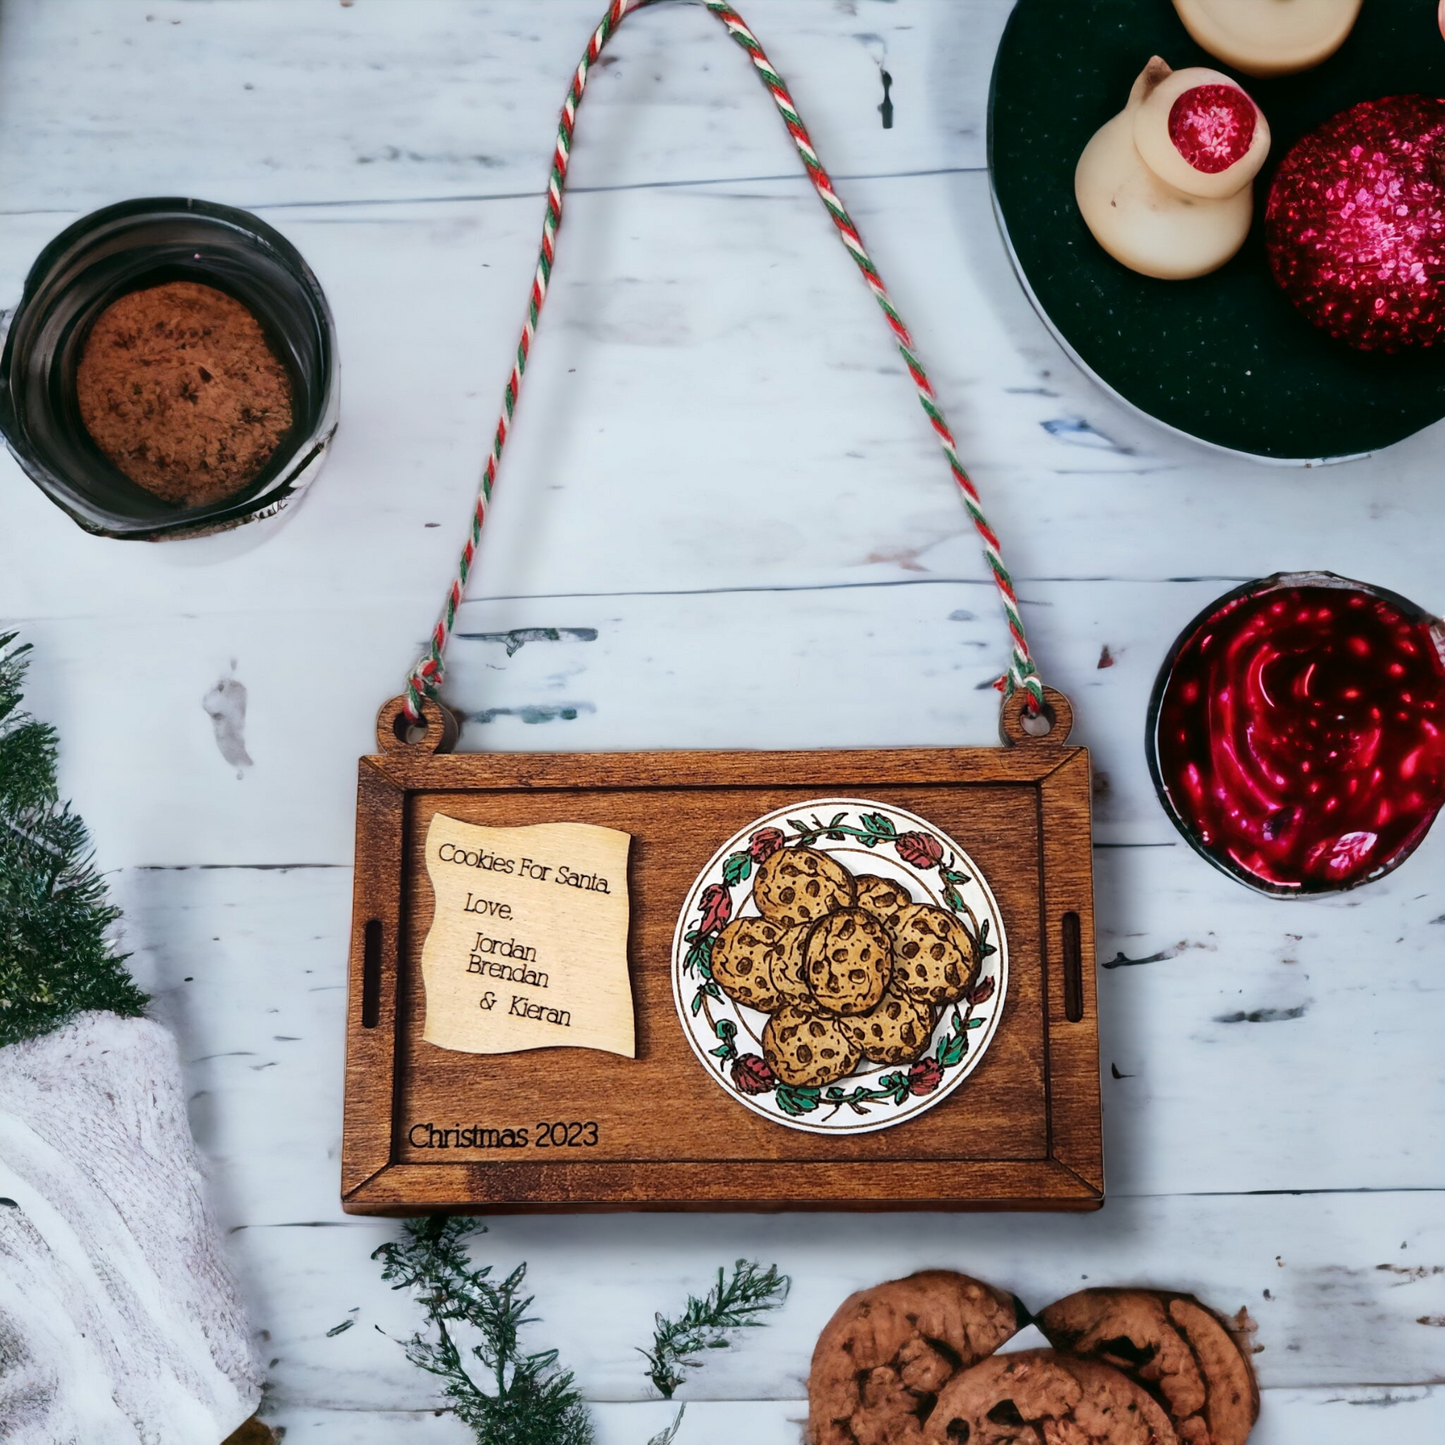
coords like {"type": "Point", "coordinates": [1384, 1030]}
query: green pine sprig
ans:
{"type": "Point", "coordinates": [55, 916]}
{"type": "Point", "coordinates": [733, 1303]}
{"type": "Point", "coordinates": [528, 1400]}
{"type": "Point", "coordinates": [667, 1436]}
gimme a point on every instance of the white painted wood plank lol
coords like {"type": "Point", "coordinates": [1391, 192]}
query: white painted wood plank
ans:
{"type": "Point", "coordinates": [373, 1427]}
{"type": "Point", "coordinates": [1362, 969]}
{"type": "Point", "coordinates": [1289, 1417]}
{"type": "Point", "coordinates": [1344, 1306]}
{"type": "Point", "coordinates": [713, 402]}
{"type": "Point", "coordinates": [863, 666]}
{"type": "Point", "coordinates": [690, 335]}
{"type": "Point", "coordinates": [266, 101]}
{"type": "Point", "coordinates": [246, 966]}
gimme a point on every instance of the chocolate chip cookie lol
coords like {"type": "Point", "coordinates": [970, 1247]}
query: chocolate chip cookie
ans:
{"type": "Point", "coordinates": [934, 957]}
{"type": "Point", "coordinates": [804, 1048]}
{"type": "Point", "coordinates": [882, 897]}
{"type": "Point", "coordinates": [896, 1030]}
{"type": "Point", "coordinates": [742, 962]}
{"type": "Point", "coordinates": [1038, 1396]}
{"type": "Point", "coordinates": [1172, 1345]}
{"type": "Point", "coordinates": [886, 1353]}
{"type": "Point", "coordinates": [787, 967]}
{"type": "Point", "coordinates": [848, 960]}
{"type": "Point", "coordinates": [800, 885]}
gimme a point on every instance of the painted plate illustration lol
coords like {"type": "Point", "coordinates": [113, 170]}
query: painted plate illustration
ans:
{"type": "Point", "coordinates": [840, 966]}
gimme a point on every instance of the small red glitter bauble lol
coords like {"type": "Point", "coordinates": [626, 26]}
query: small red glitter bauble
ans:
{"type": "Point", "coordinates": [1298, 734]}
{"type": "Point", "coordinates": [1356, 224]}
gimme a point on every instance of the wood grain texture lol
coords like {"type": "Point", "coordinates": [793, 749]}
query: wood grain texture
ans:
{"type": "Point", "coordinates": [1024, 1131]}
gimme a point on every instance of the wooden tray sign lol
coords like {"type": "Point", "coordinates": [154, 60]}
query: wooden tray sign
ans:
{"type": "Point", "coordinates": [595, 1026]}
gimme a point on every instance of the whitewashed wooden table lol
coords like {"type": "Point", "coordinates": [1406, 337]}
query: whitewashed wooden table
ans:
{"type": "Point", "coordinates": [722, 494]}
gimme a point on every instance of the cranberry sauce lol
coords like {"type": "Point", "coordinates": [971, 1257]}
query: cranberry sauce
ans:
{"type": "Point", "coordinates": [1299, 733]}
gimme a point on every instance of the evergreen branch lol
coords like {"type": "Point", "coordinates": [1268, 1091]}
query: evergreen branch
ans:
{"type": "Point", "coordinates": [55, 918]}
{"type": "Point", "coordinates": [732, 1304]}
{"type": "Point", "coordinates": [527, 1400]}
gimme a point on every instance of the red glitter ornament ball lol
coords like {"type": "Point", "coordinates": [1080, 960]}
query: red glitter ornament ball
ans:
{"type": "Point", "coordinates": [1298, 733]}
{"type": "Point", "coordinates": [1355, 224]}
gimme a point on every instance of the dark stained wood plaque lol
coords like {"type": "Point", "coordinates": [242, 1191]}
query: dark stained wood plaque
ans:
{"type": "Point", "coordinates": [429, 1128]}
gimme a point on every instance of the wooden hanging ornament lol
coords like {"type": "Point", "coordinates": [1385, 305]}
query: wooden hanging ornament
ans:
{"type": "Point", "coordinates": [722, 980]}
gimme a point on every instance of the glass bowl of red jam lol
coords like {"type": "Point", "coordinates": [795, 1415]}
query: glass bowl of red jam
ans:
{"type": "Point", "coordinates": [1296, 733]}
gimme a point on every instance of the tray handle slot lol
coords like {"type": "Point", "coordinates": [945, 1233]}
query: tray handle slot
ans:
{"type": "Point", "coordinates": [1073, 969]}
{"type": "Point", "coordinates": [371, 974]}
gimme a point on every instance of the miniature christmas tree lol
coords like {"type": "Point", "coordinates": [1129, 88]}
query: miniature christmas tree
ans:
{"type": "Point", "coordinates": [55, 917]}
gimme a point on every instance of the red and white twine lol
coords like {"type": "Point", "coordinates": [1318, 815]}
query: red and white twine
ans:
{"type": "Point", "coordinates": [426, 678]}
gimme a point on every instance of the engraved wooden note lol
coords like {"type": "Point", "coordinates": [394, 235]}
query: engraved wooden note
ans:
{"type": "Point", "coordinates": [528, 947]}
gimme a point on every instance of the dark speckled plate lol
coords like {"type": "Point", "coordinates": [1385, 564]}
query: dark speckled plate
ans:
{"type": "Point", "coordinates": [1224, 358]}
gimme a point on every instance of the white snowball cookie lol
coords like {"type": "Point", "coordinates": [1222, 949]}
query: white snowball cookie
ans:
{"type": "Point", "coordinates": [1269, 37]}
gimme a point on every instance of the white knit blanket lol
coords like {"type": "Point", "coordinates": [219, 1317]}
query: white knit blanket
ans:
{"type": "Point", "coordinates": [119, 1320]}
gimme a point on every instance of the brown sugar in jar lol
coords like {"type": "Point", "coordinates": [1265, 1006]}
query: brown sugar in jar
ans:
{"type": "Point", "coordinates": [179, 387]}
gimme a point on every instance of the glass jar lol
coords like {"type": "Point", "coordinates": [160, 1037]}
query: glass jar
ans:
{"type": "Point", "coordinates": [125, 248]}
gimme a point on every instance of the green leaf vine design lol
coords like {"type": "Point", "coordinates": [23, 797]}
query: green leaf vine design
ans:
{"type": "Point", "coordinates": [953, 1046]}
{"type": "Point", "coordinates": [698, 960]}
{"type": "Point", "coordinates": [876, 829]}
{"type": "Point", "coordinates": [890, 1086]}
{"type": "Point", "coordinates": [736, 869]}
{"type": "Point", "coordinates": [985, 948]}
{"type": "Point", "coordinates": [797, 1099]}
{"type": "Point", "coordinates": [727, 1031]}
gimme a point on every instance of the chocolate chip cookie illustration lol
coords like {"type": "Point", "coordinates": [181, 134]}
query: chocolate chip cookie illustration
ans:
{"type": "Point", "coordinates": [1037, 1396]}
{"type": "Point", "coordinates": [934, 957]}
{"type": "Point", "coordinates": [882, 1359]}
{"type": "Point", "coordinates": [848, 960]}
{"type": "Point", "coordinates": [882, 897]}
{"type": "Point", "coordinates": [808, 1048]}
{"type": "Point", "coordinates": [799, 885]}
{"type": "Point", "coordinates": [895, 1030]}
{"type": "Point", "coordinates": [787, 967]}
{"type": "Point", "coordinates": [742, 962]}
{"type": "Point", "coordinates": [1172, 1345]}
{"type": "Point", "coordinates": [839, 966]}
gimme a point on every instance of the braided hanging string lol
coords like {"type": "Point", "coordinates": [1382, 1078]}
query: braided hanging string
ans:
{"type": "Point", "coordinates": [426, 677]}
